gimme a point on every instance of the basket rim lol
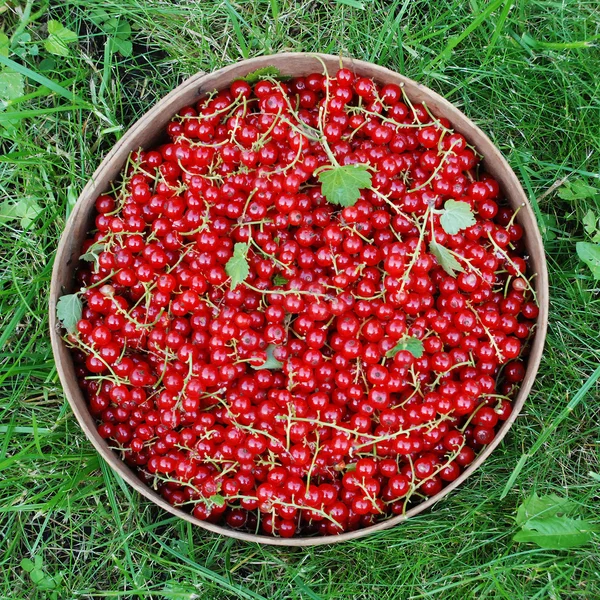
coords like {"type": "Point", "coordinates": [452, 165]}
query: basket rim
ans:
{"type": "Point", "coordinates": [202, 82]}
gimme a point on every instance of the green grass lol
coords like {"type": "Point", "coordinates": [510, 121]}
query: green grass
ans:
{"type": "Point", "coordinates": [526, 71]}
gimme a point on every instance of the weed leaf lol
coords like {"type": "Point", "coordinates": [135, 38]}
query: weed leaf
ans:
{"type": "Point", "coordinates": [59, 38]}
{"type": "Point", "coordinates": [545, 506]}
{"type": "Point", "coordinates": [577, 190]}
{"type": "Point", "coordinates": [556, 533]}
{"type": "Point", "coordinates": [590, 255]}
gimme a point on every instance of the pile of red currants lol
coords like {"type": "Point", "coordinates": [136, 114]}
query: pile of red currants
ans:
{"type": "Point", "coordinates": [305, 312]}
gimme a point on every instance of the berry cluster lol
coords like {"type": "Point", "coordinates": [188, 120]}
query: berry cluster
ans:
{"type": "Point", "coordinates": [306, 311]}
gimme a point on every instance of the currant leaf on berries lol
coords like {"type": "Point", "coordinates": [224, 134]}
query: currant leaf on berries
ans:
{"type": "Point", "coordinates": [68, 311]}
{"type": "Point", "coordinates": [237, 266]}
{"type": "Point", "coordinates": [216, 500]}
{"type": "Point", "coordinates": [271, 362]}
{"type": "Point", "coordinates": [411, 344]}
{"type": "Point", "coordinates": [445, 258]}
{"type": "Point", "coordinates": [456, 216]}
{"type": "Point", "coordinates": [342, 185]}
{"type": "Point", "coordinates": [93, 252]}
{"type": "Point", "coordinates": [279, 280]}
{"type": "Point", "coordinates": [258, 74]}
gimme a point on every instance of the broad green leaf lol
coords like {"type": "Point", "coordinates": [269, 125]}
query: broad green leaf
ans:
{"type": "Point", "coordinates": [123, 30]}
{"type": "Point", "coordinates": [412, 344]}
{"type": "Point", "coordinates": [47, 583]}
{"type": "Point", "coordinates": [27, 565]}
{"type": "Point", "coordinates": [93, 252]}
{"type": "Point", "coordinates": [12, 86]}
{"type": "Point", "coordinates": [237, 266]}
{"type": "Point", "coordinates": [24, 38]}
{"type": "Point", "coordinates": [577, 190]}
{"type": "Point", "coordinates": [28, 209]}
{"type": "Point", "coordinates": [456, 216]}
{"type": "Point", "coordinates": [590, 255]}
{"type": "Point", "coordinates": [25, 209]}
{"type": "Point", "coordinates": [59, 38]}
{"type": "Point", "coordinates": [37, 576]}
{"type": "Point", "coordinates": [8, 211]}
{"type": "Point", "coordinates": [123, 47]}
{"type": "Point", "coordinates": [269, 71]}
{"type": "Point", "coordinates": [68, 311]}
{"type": "Point", "coordinates": [589, 222]}
{"type": "Point", "coordinates": [111, 25]}
{"type": "Point", "coordinates": [544, 506]}
{"type": "Point", "coordinates": [4, 44]}
{"type": "Point", "coordinates": [38, 561]}
{"type": "Point", "coordinates": [445, 258]}
{"type": "Point", "coordinates": [98, 16]}
{"type": "Point", "coordinates": [342, 185]}
{"type": "Point", "coordinates": [556, 533]}
{"type": "Point", "coordinates": [271, 362]}
{"type": "Point", "coordinates": [47, 64]}
{"type": "Point", "coordinates": [547, 224]}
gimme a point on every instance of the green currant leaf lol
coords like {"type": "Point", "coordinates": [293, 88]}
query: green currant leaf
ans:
{"type": "Point", "coordinates": [342, 185]}
{"type": "Point", "coordinates": [12, 86]}
{"type": "Point", "coordinates": [535, 506]}
{"type": "Point", "coordinates": [577, 190]}
{"type": "Point", "coordinates": [456, 216]}
{"type": "Point", "coordinates": [556, 533]}
{"type": "Point", "coordinates": [237, 266]}
{"type": "Point", "coordinates": [269, 71]}
{"type": "Point", "coordinates": [217, 500]}
{"type": "Point", "coordinates": [445, 258]}
{"type": "Point", "coordinates": [68, 311]}
{"type": "Point", "coordinates": [93, 252]}
{"type": "Point", "coordinates": [279, 280]}
{"type": "Point", "coordinates": [589, 222]}
{"type": "Point", "coordinates": [271, 362]}
{"type": "Point", "coordinates": [59, 38]}
{"type": "Point", "coordinates": [590, 255]}
{"type": "Point", "coordinates": [412, 344]}
{"type": "Point", "coordinates": [27, 565]}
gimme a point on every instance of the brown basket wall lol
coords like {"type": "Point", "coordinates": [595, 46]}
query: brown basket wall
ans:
{"type": "Point", "coordinates": [147, 131]}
